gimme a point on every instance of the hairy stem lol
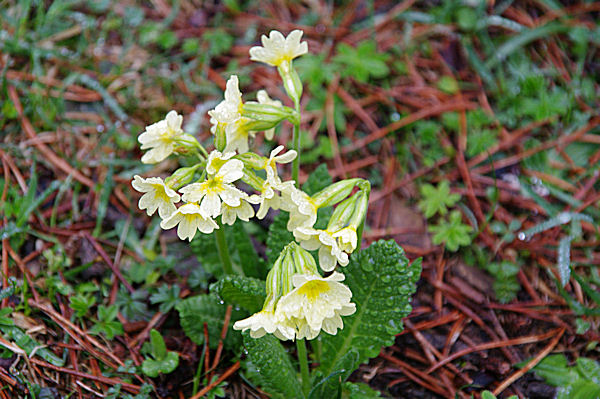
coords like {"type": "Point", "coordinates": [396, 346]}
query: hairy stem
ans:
{"type": "Point", "coordinates": [303, 360]}
{"type": "Point", "coordinates": [223, 250]}
{"type": "Point", "coordinates": [296, 139]}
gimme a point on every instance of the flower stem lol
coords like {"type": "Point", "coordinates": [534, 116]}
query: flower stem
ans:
{"type": "Point", "coordinates": [296, 139]}
{"type": "Point", "coordinates": [303, 360]}
{"type": "Point", "coordinates": [223, 249]}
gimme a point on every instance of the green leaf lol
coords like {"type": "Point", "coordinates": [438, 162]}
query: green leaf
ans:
{"type": "Point", "coordinates": [318, 180]}
{"type": "Point", "coordinates": [152, 368]}
{"type": "Point", "coordinates": [81, 303]}
{"type": "Point", "coordinates": [522, 39]}
{"type": "Point", "coordinates": [588, 368]}
{"type": "Point", "coordinates": [328, 386]}
{"type": "Point", "coordinates": [437, 200]}
{"type": "Point", "coordinates": [277, 374]}
{"type": "Point", "coordinates": [382, 282]}
{"type": "Point", "coordinates": [246, 292]}
{"type": "Point", "coordinates": [157, 343]}
{"type": "Point", "coordinates": [250, 262]}
{"type": "Point", "coordinates": [241, 250]}
{"type": "Point", "coordinates": [166, 296]}
{"type": "Point", "coordinates": [361, 62]}
{"type": "Point", "coordinates": [29, 345]}
{"type": "Point", "coordinates": [278, 236]}
{"type": "Point", "coordinates": [564, 259]}
{"type": "Point", "coordinates": [195, 311]}
{"type": "Point", "coordinates": [555, 371]}
{"type": "Point", "coordinates": [453, 232]}
{"type": "Point", "coordinates": [359, 390]}
{"type": "Point", "coordinates": [106, 322]}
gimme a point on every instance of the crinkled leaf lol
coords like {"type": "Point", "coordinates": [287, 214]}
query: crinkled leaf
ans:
{"type": "Point", "coordinates": [318, 180]}
{"type": "Point", "coordinates": [278, 236]}
{"type": "Point", "coordinates": [250, 262]}
{"type": "Point", "coordinates": [246, 292]}
{"type": "Point", "coordinates": [555, 371]}
{"type": "Point", "coordinates": [272, 362]}
{"type": "Point", "coordinates": [328, 386]}
{"type": "Point", "coordinates": [197, 310]}
{"type": "Point", "coordinates": [382, 282]}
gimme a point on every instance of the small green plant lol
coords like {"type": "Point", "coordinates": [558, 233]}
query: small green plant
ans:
{"type": "Point", "coordinates": [361, 62]}
{"type": "Point", "coordinates": [437, 200]}
{"type": "Point", "coordinates": [451, 231]}
{"type": "Point", "coordinates": [158, 360]}
{"type": "Point", "coordinates": [107, 323]}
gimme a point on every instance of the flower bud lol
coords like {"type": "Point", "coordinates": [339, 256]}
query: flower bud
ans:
{"type": "Point", "coordinates": [252, 160]}
{"type": "Point", "coordinates": [181, 177]}
{"type": "Point", "coordinates": [304, 262]}
{"type": "Point", "coordinates": [360, 209]}
{"type": "Point", "coordinates": [186, 142]}
{"type": "Point", "coordinates": [220, 138]}
{"type": "Point", "coordinates": [291, 81]}
{"type": "Point", "coordinates": [342, 213]}
{"type": "Point", "coordinates": [335, 192]}
{"type": "Point", "coordinates": [252, 179]}
{"type": "Point", "coordinates": [266, 112]}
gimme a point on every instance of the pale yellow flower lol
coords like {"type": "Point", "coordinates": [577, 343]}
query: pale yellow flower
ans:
{"type": "Point", "coordinates": [268, 199]}
{"type": "Point", "coordinates": [277, 50]}
{"type": "Point", "coordinates": [265, 321]}
{"type": "Point", "coordinates": [157, 195]}
{"type": "Point", "coordinates": [216, 188]}
{"type": "Point", "coordinates": [302, 208]}
{"type": "Point", "coordinates": [190, 219]}
{"type": "Point", "coordinates": [271, 164]}
{"type": "Point", "coordinates": [316, 304]}
{"type": "Point", "coordinates": [228, 110]}
{"type": "Point", "coordinates": [160, 138]}
{"type": "Point", "coordinates": [229, 214]}
{"type": "Point", "coordinates": [347, 239]}
{"type": "Point", "coordinates": [330, 253]}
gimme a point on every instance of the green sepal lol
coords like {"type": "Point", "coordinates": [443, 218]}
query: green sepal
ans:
{"type": "Point", "coordinates": [335, 193]}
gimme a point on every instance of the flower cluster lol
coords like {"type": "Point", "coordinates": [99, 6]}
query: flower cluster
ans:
{"type": "Point", "coordinates": [231, 182]}
{"type": "Point", "coordinates": [300, 303]}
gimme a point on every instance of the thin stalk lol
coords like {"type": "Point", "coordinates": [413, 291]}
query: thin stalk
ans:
{"type": "Point", "coordinates": [296, 140]}
{"type": "Point", "coordinates": [303, 360]}
{"type": "Point", "coordinates": [222, 247]}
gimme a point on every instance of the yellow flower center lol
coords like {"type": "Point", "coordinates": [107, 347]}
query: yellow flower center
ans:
{"type": "Point", "coordinates": [214, 184]}
{"type": "Point", "coordinates": [313, 289]}
{"type": "Point", "coordinates": [160, 193]}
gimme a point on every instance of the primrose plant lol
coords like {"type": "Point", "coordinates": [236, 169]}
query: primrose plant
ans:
{"type": "Point", "coordinates": [300, 296]}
